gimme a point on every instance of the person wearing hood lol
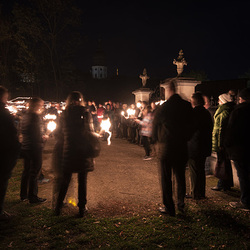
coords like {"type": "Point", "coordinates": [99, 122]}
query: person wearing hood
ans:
{"type": "Point", "coordinates": [221, 118]}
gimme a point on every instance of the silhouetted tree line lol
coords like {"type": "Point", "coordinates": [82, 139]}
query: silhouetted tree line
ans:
{"type": "Point", "coordinates": [38, 46]}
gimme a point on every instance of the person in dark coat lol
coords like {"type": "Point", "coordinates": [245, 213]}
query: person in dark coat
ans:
{"type": "Point", "coordinates": [237, 143]}
{"type": "Point", "coordinates": [74, 121]}
{"type": "Point", "coordinates": [32, 147]}
{"type": "Point", "coordinates": [9, 149]}
{"type": "Point", "coordinates": [171, 130]}
{"type": "Point", "coordinates": [199, 147]}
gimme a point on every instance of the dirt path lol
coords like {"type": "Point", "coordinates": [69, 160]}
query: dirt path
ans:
{"type": "Point", "coordinates": [122, 183]}
{"type": "Point", "coordinates": [121, 179]}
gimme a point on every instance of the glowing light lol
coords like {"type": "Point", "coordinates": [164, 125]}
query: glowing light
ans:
{"type": "Point", "coordinates": [160, 102]}
{"type": "Point", "coordinates": [138, 105]}
{"type": "Point", "coordinates": [105, 126]}
{"type": "Point", "coordinates": [49, 117]}
{"type": "Point", "coordinates": [12, 109]}
{"type": "Point", "coordinates": [131, 112]}
{"type": "Point", "coordinates": [51, 126]}
{"type": "Point", "coordinates": [123, 113]}
{"type": "Point", "coordinates": [72, 201]}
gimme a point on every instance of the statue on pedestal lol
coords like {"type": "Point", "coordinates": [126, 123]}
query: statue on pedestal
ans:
{"type": "Point", "coordinates": [144, 77]}
{"type": "Point", "coordinates": [180, 62]}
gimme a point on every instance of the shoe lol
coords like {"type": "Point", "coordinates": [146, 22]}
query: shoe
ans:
{"type": "Point", "coordinates": [163, 210]}
{"type": "Point", "coordinates": [216, 188]}
{"type": "Point", "coordinates": [147, 158]}
{"type": "Point", "coordinates": [37, 200]}
{"type": "Point", "coordinates": [82, 211]}
{"type": "Point", "coordinates": [4, 216]}
{"type": "Point", "coordinates": [23, 199]}
{"type": "Point", "coordinates": [181, 211]}
{"type": "Point", "coordinates": [239, 205]}
{"type": "Point", "coordinates": [57, 211]}
{"type": "Point", "coordinates": [188, 196]}
{"type": "Point", "coordinates": [44, 180]}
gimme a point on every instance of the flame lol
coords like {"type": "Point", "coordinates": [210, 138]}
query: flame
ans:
{"type": "Point", "coordinates": [49, 117]}
{"type": "Point", "coordinates": [131, 112]}
{"type": "Point", "coordinates": [12, 109]}
{"type": "Point", "coordinates": [51, 126]}
{"type": "Point", "coordinates": [72, 201]}
{"type": "Point", "coordinates": [105, 126]}
{"type": "Point", "coordinates": [160, 102]}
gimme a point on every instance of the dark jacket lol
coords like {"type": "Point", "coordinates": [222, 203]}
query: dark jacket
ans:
{"type": "Point", "coordinates": [74, 121]}
{"type": "Point", "coordinates": [9, 145]}
{"type": "Point", "coordinates": [200, 144]}
{"type": "Point", "coordinates": [31, 128]}
{"type": "Point", "coordinates": [172, 127]}
{"type": "Point", "coordinates": [237, 140]}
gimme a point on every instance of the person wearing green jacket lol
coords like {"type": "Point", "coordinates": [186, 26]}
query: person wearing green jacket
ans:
{"type": "Point", "coordinates": [221, 118]}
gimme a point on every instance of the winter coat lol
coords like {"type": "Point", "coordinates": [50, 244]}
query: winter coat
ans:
{"type": "Point", "coordinates": [172, 127]}
{"type": "Point", "coordinates": [31, 129]}
{"type": "Point", "coordinates": [9, 146]}
{"type": "Point", "coordinates": [201, 141]}
{"type": "Point", "coordinates": [221, 118]}
{"type": "Point", "coordinates": [237, 140]}
{"type": "Point", "coordinates": [73, 122]}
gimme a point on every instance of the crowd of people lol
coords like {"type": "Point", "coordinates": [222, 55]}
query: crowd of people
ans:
{"type": "Point", "coordinates": [179, 132]}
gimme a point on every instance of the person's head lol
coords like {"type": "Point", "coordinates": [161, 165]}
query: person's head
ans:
{"type": "Point", "coordinates": [100, 105]}
{"type": "Point", "coordinates": [89, 103]}
{"type": "Point", "coordinates": [232, 93]}
{"type": "Point", "coordinates": [124, 106]}
{"type": "Point", "coordinates": [4, 94]}
{"type": "Point", "coordinates": [224, 98]}
{"type": "Point", "coordinates": [207, 101]}
{"type": "Point", "coordinates": [144, 104]}
{"type": "Point", "coordinates": [75, 98]}
{"type": "Point", "coordinates": [36, 105]}
{"type": "Point", "coordinates": [146, 110]}
{"type": "Point", "coordinates": [153, 106]}
{"type": "Point", "coordinates": [244, 95]}
{"type": "Point", "coordinates": [170, 89]}
{"type": "Point", "coordinates": [108, 107]}
{"type": "Point", "coordinates": [197, 99]}
{"type": "Point", "coordinates": [132, 106]}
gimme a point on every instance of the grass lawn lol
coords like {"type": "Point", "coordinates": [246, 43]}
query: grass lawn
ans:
{"type": "Point", "coordinates": [207, 225]}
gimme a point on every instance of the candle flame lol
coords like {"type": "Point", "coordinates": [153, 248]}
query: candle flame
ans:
{"type": "Point", "coordinates": [51, 126]}
{"type": "Point", "coordinates": [105, 126]}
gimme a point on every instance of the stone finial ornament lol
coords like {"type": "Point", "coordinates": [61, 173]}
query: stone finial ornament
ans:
{"type": "Point", "coordinates": [144, 77]}
{"type": "Point", "coordinates": [180, 62]}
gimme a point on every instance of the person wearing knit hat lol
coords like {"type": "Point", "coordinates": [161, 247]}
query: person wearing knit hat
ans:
{"type": "Point", "coordinates": [237, 144]}
{"type": "Point", "coordinates": [224, 98]}
{"type": "Point", "coordinates": [221, 117]}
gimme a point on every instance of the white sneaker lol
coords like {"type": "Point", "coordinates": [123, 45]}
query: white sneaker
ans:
{"type": "Point", "coordinates": [147, 158]}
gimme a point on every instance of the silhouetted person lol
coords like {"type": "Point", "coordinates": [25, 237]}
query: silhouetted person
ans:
{"type": "Point", "coordinates": [172, 130]}
{"type": "Point", "coordinates": [73, 122]}
{"type": "Point", "coordinates": [238, 145]}
{"type": "Point", "coordinates": [9, 149]}
{"type": "Point", "coordinates": [199, 147]}
{"type": "Point", "coordinates": [32, 146]}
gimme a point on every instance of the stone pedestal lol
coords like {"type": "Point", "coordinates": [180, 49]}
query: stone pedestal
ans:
{"type": "Point", "coordinates": [142, 94]}
{"type": "Point", "coordinates": [185, 86]}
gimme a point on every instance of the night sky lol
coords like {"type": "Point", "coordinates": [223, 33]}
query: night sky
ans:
{"type": "Point", "coordinates": [213, 35]}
